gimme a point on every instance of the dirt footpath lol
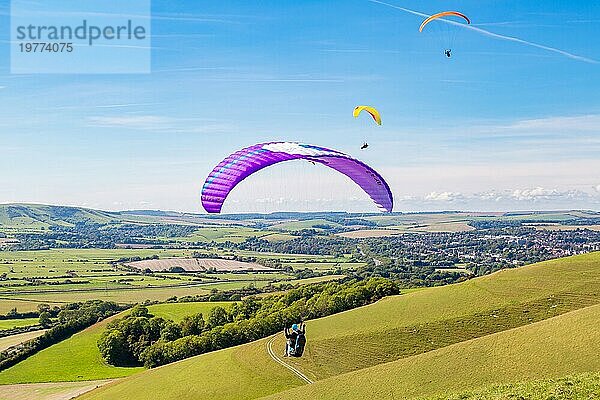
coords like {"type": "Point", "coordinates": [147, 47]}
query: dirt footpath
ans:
{"type": "Point", "coordinates": [48, 391]}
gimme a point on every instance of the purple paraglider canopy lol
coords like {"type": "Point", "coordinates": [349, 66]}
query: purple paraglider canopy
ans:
{"type": "Point", "coordinates": [241, 164]}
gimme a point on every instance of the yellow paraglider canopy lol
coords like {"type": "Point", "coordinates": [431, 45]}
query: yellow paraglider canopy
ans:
{"type": "Point", "coordinates": [444, 14]}
{"type": "Point", "coordinates": [371, 110]}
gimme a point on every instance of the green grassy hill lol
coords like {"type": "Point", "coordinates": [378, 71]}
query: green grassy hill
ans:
{"type": "Point", "coordinates": [74, 359]}
{"type": "Point", "coordinates": [238, 373]}
{"type": "Point", "coordinates": [78, 358]}
{"type": "Point", "coordinates": [564, 345]}
{"type": "Point", "coordinates": [573, 387]}
{"type": "Point", "coordinates": [43, 216]}
{"type": "Point", "coordinates": [425, 320]}
{"type": "Point", "coordinates": [399, 327]}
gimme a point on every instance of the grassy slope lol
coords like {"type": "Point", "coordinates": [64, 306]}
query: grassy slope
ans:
{"type": "Point", "coordinates": [425, 320]}
{"type": "Point", "coordinates": [79, 356]}
{"type": "Point", "coordinates": [365, 336]}
{"type": "Point", "coordinates": [238, 373]}
{"type": "Point", "coordinates": [574, 387]}
{"type": "Point", "coordinates": [564, 345]}
{"type": "Point", "coordinates": [74, 359]}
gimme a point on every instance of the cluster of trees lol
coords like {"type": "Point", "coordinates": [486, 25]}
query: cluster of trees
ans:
{"type": "Point", "coordinates": [72, 318]}
{"type": "Point", "coordinates": [494, 224]}
{"type": "Point", "coordinates": [411, 276]}
{"type": "Point", "coordinates": [314, 245]}
{"type": "Point", "coordinates": [141, 338]}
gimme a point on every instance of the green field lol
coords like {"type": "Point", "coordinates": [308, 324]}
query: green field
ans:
{"type": "Point", "coordinates": [305, 224]}
{"type": "Point", "coordinates": [177, 311]}
{"type": "Point", "coordinates": [442, 330]}
{"type": "Point", "coordinates": [317, 279]}
{"type": "Point", "coordinates": [232, 234]}
{"type": "Point", "coordinates": [74, 359]}
{"type": "Point", "coordinates": [79, 356]}
{"type": "Point", "coordinates": [17, 323]}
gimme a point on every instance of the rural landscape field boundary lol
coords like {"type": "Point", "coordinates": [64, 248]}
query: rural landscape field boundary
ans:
{"type": "Point", "coordinates": [280, 361]}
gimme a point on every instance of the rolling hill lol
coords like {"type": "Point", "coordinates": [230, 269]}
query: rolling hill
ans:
{"type": "Point", "coordinates": [80, 359]}
{"type": "Point", "coordinates": [43, 216]}
{"type": "Point", "coordinates": [31, 217]}
{"type": "Point", "coordinates": [563, 345]}
{"type": "Point", "coordinates": [74, 359]}
{"type": "Point", "coordinates": [242, 372]}
{"type": "Point", "coordinates": [478, 320]}
{"type": "Point", "coordinates": [574, 387]}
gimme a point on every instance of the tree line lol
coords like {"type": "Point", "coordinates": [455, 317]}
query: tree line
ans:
{"type": "Point", "coordinates": [143, 339]}
{"type": "Point", "coordinates": [72, 318]}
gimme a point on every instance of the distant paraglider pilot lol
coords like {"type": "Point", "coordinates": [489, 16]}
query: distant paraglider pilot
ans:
{"type": "Point", "coordinates": [364, 146]}
{"type": "Point", "coordinates": [295, 339]}
{"type": "Point", "coordinates": [443, 17]}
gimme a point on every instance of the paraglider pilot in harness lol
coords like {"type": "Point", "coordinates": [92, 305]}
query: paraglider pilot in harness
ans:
{"type": "Point", "coordinates": [448, 53]}
{"type": "Point", "coordinates": [295, 340]}
{"type": "Point", "coordinates": [364, 146]}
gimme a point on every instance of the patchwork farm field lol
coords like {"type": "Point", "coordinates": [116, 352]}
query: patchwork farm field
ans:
{"type": "Point", "coordinates": [60, 276]}
{"type": "Point", "coordinates": [198, 265]}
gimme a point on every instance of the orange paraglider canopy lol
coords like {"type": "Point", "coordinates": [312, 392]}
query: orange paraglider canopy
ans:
{"type": "Point", "coordinates": [444, 14]}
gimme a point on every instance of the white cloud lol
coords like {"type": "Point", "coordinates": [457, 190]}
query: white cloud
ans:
{"type": "Point", "coordinates": [141, 122]}
{"type": "Point", "coordinates": [444, 196]}
{"type": "Point", "coordinates": [597, 188]}
{"type": "Point", "coordinates": [531, 195]}
{"type": "Point", "coordinates": [534, 194]}
{"type": "Point", "coordinates": [571, 123]}
{"type": "Point", "coordinates": [527, 198]}
{"type": "Point", "coordinates": [158, 123]}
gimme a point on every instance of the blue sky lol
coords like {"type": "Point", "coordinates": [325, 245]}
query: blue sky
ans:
{"type": "Point", "coordinates": [501, 125]}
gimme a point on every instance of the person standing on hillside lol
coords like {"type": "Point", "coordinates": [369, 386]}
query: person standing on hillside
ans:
{"type": "Point", "coordinates": [291, 336]}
